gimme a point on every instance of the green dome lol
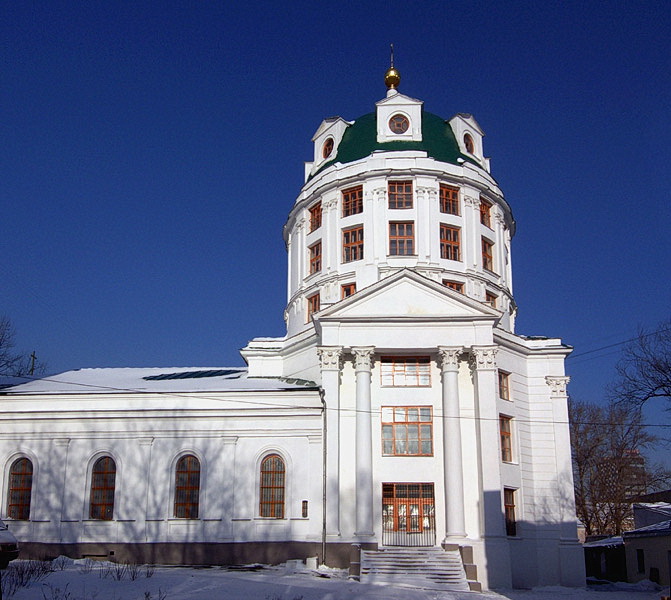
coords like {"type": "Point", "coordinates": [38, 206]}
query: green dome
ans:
{"type": "Point", "coordinates": [360, 140]}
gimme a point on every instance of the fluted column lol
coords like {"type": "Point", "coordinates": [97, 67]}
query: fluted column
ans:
{"type": "Point", "coordinates": [364, 444]}
{"type": "Point", "coordinates": [455, 524]}
{"type": "Point", "coordinates": [330, 363]}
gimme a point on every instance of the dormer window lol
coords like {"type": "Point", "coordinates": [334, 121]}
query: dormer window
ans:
{"type": "Point", "coordinates": [327, 148]}
{"type": "Point", "coordinates": [399, 123]}
{"type": "Point", "coordinates": [469, 144]}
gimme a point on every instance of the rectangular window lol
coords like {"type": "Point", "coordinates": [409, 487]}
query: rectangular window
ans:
{"type": "Point", "coordinates": [640, 560]}
{"type": "Point", "coordinates": [315, 257]}
{"type": "Point", "coordinates": [457, 286]}
{"type": "Point", "coordinates": [509, 506]}
{"type": "Point", "coordinates": [487, 255]}
{"type": "Point", "coordinates": [505, 429]}
{"type": "Point", "coordinates": [316, 216]}
{"type": "Point", "coordinates": [352, 201]}
{"type": "Point", "coordinates": [401, 238]}
{"type": "Point", "coordinates": [486, 213]}
{"type": "Point", "coordinates": [449, 242]}
{"type": "Point", "coordinates": [352, 244]}
{"type": "Point", "coordinates": [504, 385]}
{"type": "Point", "coordinates": [405, 371]}
{"type": "Point", "coordinates": [313, 305]}
{"type": "Point", "coordinates": [400, 194]}
{"type": "Point", "coordinates": [407, 431]}
{"type": "Point", "coordinates": [347, 289]}
{"type": "Point", "coordinates": [449, 199]}
{"type": "Point", "coordinates": [490, 299]}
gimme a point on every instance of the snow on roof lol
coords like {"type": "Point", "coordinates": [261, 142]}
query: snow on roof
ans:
{"type": "Point", "coordinates": [615, 540]}
{"type": "Point", "coordinates": [661, 528]}
{"type": "Point", "coordinates": [155, 379]}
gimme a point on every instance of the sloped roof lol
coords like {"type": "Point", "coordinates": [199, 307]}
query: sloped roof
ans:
{"type": "Point", "coordinates": [656, 529]}
{"type": "Point", "coordinates": [155, 379]}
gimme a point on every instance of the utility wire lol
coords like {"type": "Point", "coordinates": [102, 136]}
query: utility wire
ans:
{"type": "Point", "coordinates": [638, 337]}
{"type": "Point", "coordinates": [259, 404]}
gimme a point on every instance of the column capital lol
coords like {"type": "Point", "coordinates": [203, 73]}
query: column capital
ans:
{"type": "Point", "coordinates": [472, 201]}
{"type": "Point", "coordinates": [330, 357]}
{"type": "Point", "coordinates": [329, 203]}
{"type": "Point", "coordinates": [449, 357]}
{"type": "Point", "coordinates": [363, 357]}
{"type": "Point", "coordinates": [557, 385]}
{"type": "Point", "coordinates": [483, 358]}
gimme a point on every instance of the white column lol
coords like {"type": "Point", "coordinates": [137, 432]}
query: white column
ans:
{"type": "Point", "coordinates": [491, 495]}
{"type": "Point", "coordinates": [364, 445]}
{"type": "Point", "coordinates": [330, 361]}
{"type": "Point", "coordinates": [455, 524]}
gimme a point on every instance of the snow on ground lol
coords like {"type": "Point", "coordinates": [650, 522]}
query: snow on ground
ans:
{"type": "Point", "coordinates": [85, 580]}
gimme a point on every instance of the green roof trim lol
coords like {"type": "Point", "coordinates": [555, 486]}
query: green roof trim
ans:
{"type": "Point", "coordinates": [360, 141]}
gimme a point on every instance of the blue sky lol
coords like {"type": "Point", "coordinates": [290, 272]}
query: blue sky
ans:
{"type": "Point", "coordinates": [152, 152]}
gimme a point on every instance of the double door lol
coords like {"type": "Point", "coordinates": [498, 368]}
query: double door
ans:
{"type": "Point", "coordinates": [408, 514]}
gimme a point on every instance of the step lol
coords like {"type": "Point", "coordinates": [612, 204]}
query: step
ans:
{"type": "Point", "coordinates": [430, 568]}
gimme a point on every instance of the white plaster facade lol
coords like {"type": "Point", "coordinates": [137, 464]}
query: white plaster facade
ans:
{"type": "Point", "coordinates": [319, 396]}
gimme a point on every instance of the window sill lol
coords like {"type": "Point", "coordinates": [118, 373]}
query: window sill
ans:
{"type": "Point", "coordinates": [407, 456]}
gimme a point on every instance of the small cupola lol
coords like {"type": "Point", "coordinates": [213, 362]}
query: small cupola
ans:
{"type": "Point", "coordinates": [399, 117]}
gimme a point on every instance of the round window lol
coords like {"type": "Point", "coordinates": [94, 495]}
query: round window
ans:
{"type": "Point", "coordinates": [399, 124]}
{"type": "Point", "coordinates": [327, 148]}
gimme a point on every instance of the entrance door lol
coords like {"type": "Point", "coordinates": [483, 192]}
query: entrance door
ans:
{"type": "Point", "coordinates": [408, 514]}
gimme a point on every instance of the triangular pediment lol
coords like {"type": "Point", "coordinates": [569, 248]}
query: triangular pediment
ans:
{"type": "Point", "coordinates": [407, 295]}
{"type": "Point", "coordinates": [330, 124]}
{"type": "Point", "coordinates": [399, 99]}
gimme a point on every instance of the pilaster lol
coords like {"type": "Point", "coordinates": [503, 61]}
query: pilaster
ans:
{"type": "Point", "coordinates": [470, 235]}
{"type": "Point", "coordinates": [497, 550]}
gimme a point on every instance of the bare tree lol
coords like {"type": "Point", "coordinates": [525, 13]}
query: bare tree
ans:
{"type": "Point", "coordinates": [12, 362]}
{"type": "Point", "coordinates": [644, 371]}
{"type": "Point", "coordinates": [608, 465]}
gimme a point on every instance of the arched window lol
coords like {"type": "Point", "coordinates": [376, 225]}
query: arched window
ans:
{"type": "Point", "coordinates": [468, 142]}
{"type": "Point", "coordinates": [103, 479]}
{"type": "Point", "coordinates": [327, 149]}
{"type": "Point", "coordinates": [187, 487]}
{"type": "Point", "coordinates": [272, 487]}
{"type": "Point", "coordinates": [20, 487]}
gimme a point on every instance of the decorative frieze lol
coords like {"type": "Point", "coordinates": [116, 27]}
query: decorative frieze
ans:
{"type": "Point", "coordinates": [363, 356]}
{"type": "Point", "coordinates": [484, 357]}
{"type": "Point", "coordinates": [557, 385]}
{"type": "Point", "coordinates": [330, 357]}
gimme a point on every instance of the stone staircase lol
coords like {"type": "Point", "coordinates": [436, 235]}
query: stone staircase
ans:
{"type": "Point", "coordinates": [430, 568]}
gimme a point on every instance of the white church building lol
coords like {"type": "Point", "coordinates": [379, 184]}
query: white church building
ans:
{"type": "Point", "coordinates": [400, 410]}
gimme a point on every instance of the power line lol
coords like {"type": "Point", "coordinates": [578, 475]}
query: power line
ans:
{"type": "Point", "coordinates": [436, 414]}
{"type": "Point", "coordinates": [638, 337]}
